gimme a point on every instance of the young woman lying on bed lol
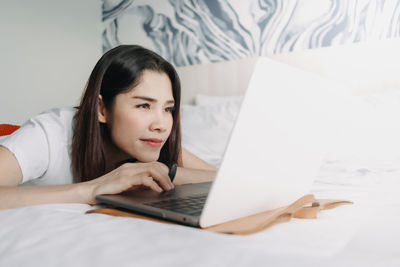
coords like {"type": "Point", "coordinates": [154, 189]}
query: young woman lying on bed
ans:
{"type": "Point", "coordinates": [124, 135]}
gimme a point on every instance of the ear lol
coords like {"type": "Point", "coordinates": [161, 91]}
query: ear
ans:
{"type": "Point", "coordinates": [101, 113]}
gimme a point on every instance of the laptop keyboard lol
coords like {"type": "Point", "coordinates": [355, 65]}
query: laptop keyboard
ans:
{"type": "Point", "coordinates": [192, 205]}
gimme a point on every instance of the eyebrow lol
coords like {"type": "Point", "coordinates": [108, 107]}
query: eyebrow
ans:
{"type": "Point", "coordinates": [152, 99]}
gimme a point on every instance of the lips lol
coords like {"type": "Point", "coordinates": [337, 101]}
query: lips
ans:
{"type": "Point", "coordinates": [152, 142]}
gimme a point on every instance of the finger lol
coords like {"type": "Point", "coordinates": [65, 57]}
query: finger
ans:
{"type": "Point", "coordinates": [141, 181]}
{"type": "Point", "coordinates": [149, 182]}
{"type": "Point", "coordinates": [156, 170]}
{"type": "Point", "coordinates": [159, 172]}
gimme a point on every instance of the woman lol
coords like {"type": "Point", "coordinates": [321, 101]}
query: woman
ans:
{"type": "Point", "coordinates": [124, 135]}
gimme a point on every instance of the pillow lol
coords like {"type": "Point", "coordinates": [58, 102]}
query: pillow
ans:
{"type": "Point", "coordinates": [206, 129]}
{"type": "Point", "coordinates": [202, 100]}
{"type": "Point", "coordinates": [6, 129]}
{"type": "Point", "coordinates": [370, 129]}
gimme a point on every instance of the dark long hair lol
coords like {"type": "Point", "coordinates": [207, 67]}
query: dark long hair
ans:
{"type": "Point", "coordinates": [116, 72]}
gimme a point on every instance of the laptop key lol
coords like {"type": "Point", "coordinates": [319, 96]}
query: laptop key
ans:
{"type": "Point", "coordinates": [190, 205]}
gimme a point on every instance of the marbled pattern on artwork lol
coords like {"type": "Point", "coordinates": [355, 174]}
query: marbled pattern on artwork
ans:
{"type": "Point", "coordinates": [193, 32]}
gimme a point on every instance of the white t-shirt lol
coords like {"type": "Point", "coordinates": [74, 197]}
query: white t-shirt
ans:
{"type": "Point", "coordinates": [42, 147]}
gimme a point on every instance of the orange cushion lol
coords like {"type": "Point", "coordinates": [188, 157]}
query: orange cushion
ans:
{"type": "Point", "coordinates": [6, 129]}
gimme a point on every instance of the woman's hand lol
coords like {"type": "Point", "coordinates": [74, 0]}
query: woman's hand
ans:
{"type": "Point", "coordinates": [130, 176]}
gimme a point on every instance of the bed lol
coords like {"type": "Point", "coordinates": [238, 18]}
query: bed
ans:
{"type": "Point", "coordinates": [362, 234]}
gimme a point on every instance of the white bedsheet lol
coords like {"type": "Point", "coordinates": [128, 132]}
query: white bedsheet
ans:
{"type": "Point", "coordinates": [364, 234]}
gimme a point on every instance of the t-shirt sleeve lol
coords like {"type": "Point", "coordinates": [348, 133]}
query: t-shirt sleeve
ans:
{"type": "Point", "coordinates": [30, 146]}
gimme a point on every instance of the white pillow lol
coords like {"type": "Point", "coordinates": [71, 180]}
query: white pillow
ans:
{"type": "Point", "coordinates": [206, 129]}
{"type": "Point", "coordinates": [373, 134]}
{"type": "Point", "coordinates": [202, 100]}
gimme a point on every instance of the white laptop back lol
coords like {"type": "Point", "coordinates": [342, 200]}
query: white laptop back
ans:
{"type": "Point", "coordinates": [277, 144]}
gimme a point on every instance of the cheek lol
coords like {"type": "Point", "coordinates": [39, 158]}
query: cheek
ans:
{"type": "Point", "coordinates": [127, 125]}
{"type": "Point", "coordinates": [170, 122]}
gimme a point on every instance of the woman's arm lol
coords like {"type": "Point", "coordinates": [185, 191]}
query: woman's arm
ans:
{"type": "Point", "coordinates": [191, 161]}
{"type": "Point", "coordinates": [12, 196]}
{"type": "Point", "coordinates": [194, 170]}
{"type": "Point", "coordinates": [10, 172]}
{"type": "Point", "coordinates": [128, 176]}
{"type": "Point", "coordinates": [15, 196]}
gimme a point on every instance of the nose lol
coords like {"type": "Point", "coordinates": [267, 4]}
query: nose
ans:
{"type": "Point", "coordinates": [158, 123]}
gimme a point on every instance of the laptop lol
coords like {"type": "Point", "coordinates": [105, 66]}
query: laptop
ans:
{"type": "Point", "coordinates": [272, 158]}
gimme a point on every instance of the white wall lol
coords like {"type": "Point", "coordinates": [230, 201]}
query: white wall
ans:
{"type": "Point", "coordinates": [47, 51]}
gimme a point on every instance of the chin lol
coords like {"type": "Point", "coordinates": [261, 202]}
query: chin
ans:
{"type": "Point", "coordinates": [148, 158]}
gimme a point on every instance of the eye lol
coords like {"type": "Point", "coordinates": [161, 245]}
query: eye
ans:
{"type": "Point", "coordinates": [170, 109]}
{"type": "Point", "coordinates": [145, 106]}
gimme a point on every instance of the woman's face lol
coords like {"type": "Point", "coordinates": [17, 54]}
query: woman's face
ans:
{"type": "Point", "coordinates": [140, 121]}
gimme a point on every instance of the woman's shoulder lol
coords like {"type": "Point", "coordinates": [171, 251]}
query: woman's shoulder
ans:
{"type": "Point", "coordinates": [55, 117]}
{"type": "Point", "coordinates": [54, 121]}
{"type": "Point", "coordinates": [63, 113]}
{"type": "Point", "coordinates": [42, 145]}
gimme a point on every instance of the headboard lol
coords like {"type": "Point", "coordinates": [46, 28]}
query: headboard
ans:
{"type": "Point", "coordinates": [217, 79]}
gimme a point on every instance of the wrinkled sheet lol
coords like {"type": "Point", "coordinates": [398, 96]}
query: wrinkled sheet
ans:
{"type": "Point", "coordinates": [363, 234]}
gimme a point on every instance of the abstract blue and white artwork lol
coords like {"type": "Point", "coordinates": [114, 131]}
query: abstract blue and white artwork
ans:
{"type": "Point", "coordinates": [188, 32]}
